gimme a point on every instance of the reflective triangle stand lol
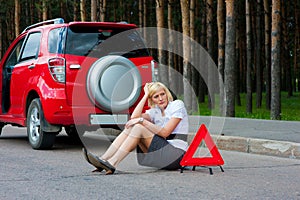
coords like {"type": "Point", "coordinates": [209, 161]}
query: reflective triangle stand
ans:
{"type": "Point", "coordinates": [208, 162]}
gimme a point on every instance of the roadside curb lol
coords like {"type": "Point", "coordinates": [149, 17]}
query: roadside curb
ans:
{"type": "Point", "coordinates": [255, 146]}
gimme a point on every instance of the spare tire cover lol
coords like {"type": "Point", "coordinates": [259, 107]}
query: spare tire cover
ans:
{"type": "Point", "coordinates": [113, 83]}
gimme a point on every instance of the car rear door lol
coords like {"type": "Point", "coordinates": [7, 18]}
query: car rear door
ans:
{"type": "Point", "coordinates": [86, 45]}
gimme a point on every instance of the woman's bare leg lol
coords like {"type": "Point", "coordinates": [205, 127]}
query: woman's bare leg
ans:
{"type": "Point", "coordinates": [116, 144]}
{"type": "Point", "coordinates": [138, 134]}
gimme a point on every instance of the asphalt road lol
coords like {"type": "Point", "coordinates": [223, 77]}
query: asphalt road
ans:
{"type": "Point", "coordinates": [62, 173]}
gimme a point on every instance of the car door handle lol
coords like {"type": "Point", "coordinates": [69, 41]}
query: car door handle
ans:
{"type": "Point", "coordinates": [31, 66]}
{"type": "Point", "coordinates": [75, 66]}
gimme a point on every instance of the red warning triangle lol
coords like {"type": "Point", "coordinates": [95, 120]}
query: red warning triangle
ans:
{"type": "Point", "coordinates": [215, 159]}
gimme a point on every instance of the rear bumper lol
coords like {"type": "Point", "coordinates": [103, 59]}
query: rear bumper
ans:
{"type": "Point", "coordinates": [64, 115]}
{"type": "Point", "coordinates": [108, 119]}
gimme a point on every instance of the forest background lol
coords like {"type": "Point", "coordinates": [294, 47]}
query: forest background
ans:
{"type": "Point", "coordinates": [255, 45]}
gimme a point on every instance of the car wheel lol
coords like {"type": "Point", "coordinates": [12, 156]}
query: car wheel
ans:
{"type": "Point", "coordinates": [1, 127]}
{"type": "Point", "coordinates": [113, 83]}
{"type": "Point", "coordinates": [38, 139]}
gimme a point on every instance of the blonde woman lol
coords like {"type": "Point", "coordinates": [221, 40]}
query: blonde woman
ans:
{"type": "Point", "coordinates": [159, 134]}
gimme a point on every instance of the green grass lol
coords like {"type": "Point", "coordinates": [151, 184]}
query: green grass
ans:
{"type": "Point", "coordinates": [290, 108]}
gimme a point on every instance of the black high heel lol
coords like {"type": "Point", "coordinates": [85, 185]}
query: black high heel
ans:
{"type": "Point", "coordinates": [85, 153]}
{"type": "Point", "coordinates": [97, 162]}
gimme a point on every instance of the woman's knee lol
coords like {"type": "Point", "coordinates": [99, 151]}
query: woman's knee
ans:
{"type": "Point", "coordinates": [139, 131]}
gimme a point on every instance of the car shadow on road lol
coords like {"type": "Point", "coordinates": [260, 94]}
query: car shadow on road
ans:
{"type": "Point", "coordinates": [90, 141]}
{"type": "Point", "coordinates": [62, 142]}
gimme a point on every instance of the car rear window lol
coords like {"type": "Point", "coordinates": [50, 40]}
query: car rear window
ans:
{"type": "Point", "coordinates": [98, 42]}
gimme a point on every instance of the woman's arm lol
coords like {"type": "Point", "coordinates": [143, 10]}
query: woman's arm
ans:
{"type": "Point", "coordinates": [162, 131]}
{"type": "Point", "coordinates": [139, 108]}
{"type": "Point", "coordinates": [178, 112]}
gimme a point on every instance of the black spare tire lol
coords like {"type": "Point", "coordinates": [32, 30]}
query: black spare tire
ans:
{"type": "Point", "coordinates": [113, 83]}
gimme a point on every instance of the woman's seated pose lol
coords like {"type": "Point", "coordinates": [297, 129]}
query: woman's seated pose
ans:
{"type": "Point", "coordinates": [159, 134]}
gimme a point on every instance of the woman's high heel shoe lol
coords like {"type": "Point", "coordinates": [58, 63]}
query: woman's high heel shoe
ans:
{"type": "Point", "coordinates": [85, 153]}
{"type": "Point", "coordinates": [97, 162]}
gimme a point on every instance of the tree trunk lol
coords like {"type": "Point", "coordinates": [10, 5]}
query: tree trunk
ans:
{"type": "Point", "coordinates": [186, 54]}
{"type": "Point", "coordinates": [145, 18]}
{"type": "Point", "coordinates": [221, 52]}
{"type": "Point", "coordinates": [31, 11]}
{"type": "Point", "coordinates": [297, 45]}
{"type": "Point", "coordinates": [45, 10]}
{"type": "Point", "coordinates": [193, 56]}
{"type": "Point", "coordinates": [26, 12]}
{"type": "Point", "coordinates": [17, 17]}
{"type": "Point", "coordinates": [249, 59]}
{"type": "Point", "coordinates": [82, 10]}
{"type": "Point", "coordinates": [140, 13]}
{"type": "Point", "coordinates": [75, 9]}
{"type": "Point", "coordinates": [63, 8]}
{"type": "Point", "coordinates": [275, 62]}
{"type": "Point", "coordinates": [209, 35]}
{"type": "Point", "coordinates": [209, 21]}
{"type": "Point", "coordinates": [163, 71]}
{"type": "Point", "coordinates": [202, 85]}
{"type": "Point", "coordinates": [238, 55]}
{"type": "Point", "coordinates": [230, 68]}
{"type": "Point", "coordinates": [93, 10]}
{"type": "Point", "coordinates": [102, 10]}
{"type": "Point", "coordinates": [120, 10]}
{"type": "Point", "coordinates": [258, 56]}
{"type": "Point", "coordinates": [173, 83]}
{"type": "Point", "coordinates": [1, 39]}
{"type": "Point", "coordinates": [178, 60]}
{"type": "Point", "coordinates": [286, 52]}
{"type": "Point", "coordinates": [267, 54]}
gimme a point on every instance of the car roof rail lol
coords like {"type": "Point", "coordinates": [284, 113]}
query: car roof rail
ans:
{"type": "Point", "coordinates": [51, 21]}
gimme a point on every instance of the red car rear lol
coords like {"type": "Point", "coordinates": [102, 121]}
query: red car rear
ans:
{"type": "Point", "coordinates": [70, 75]}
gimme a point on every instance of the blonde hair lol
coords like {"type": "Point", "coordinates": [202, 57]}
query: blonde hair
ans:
{"type": "Point", "coordinates": [153, 88]}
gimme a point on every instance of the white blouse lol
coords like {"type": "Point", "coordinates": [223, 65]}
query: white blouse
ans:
{"type": "Point", "coordinates": [175, 109]}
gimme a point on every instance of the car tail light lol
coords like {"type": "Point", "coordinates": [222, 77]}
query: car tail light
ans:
{"type": "Point", "coordinates": [57, 69]}
{"type": "Point", "coordinates": [154, 68]}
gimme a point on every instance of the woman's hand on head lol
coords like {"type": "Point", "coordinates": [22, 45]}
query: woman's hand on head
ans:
{"type": "Point", "coordinates": [146, 89]}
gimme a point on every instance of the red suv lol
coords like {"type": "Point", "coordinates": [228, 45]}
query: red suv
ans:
{"type": "Point", "coordinates": [58, 74]}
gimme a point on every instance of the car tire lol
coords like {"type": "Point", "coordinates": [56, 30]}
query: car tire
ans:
{"type": "Point", "coordinates": [113, 83]}
{"type": "Point", "coordinates": [38, 138]}
{"type": "Point", "coordinates": [1, 127]}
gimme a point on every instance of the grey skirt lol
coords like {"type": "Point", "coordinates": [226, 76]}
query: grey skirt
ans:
{"type": "Point", "coordinates": [161, 155]}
